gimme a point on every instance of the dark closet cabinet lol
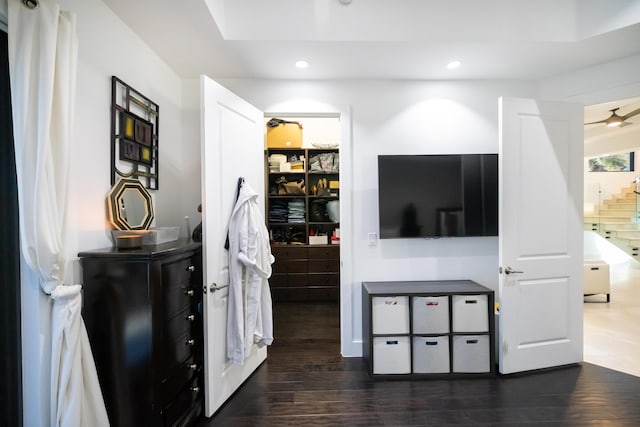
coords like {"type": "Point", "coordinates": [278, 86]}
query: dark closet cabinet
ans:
{"type": "Point", "coordinates": [303, 234]}
{"type": "Point", "coordinates": [143, 313]}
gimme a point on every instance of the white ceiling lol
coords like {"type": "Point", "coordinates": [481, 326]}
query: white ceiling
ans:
{"type": "Point", "coordinates": [389, 39]}
{"type": "Point", "coordinates": [385, 39]}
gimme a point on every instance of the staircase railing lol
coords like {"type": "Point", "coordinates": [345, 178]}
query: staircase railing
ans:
{"type": "Point", "coordinates": [595, 194]}
{"type": "Point", "coordinates": [636, 190]}
{"type": "Point", "coordinates": [620, 224]}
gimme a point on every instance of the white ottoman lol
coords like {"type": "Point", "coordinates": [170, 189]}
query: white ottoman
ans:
{"type": "Point", "coordinates": [596, 278]}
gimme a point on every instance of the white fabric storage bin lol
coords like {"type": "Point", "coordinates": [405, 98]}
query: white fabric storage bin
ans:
{"type": "Point", "coordinates": [471, 354]}
{"type": "Point", "coordinates": [391, 355]}
{"type": "Point", "coordinates": [470, 313]}
{"type": "Point", "coordinates": [431, 355]}
{"type": "Point", "coordinates": [390, 315]}
{"type": "Point", "coordinates": [430, 315]}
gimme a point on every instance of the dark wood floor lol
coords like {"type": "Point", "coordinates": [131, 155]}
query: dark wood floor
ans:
{"type": "Point", "coordinates": [305, 382]}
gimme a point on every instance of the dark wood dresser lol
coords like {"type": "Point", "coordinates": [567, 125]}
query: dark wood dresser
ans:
{"type": "Point", "coordinates": [143, 313]}
{"type": "Point", "coordinates": [305, 273]}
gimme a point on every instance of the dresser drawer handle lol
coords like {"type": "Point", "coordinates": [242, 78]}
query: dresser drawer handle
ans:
{"type": "Point", "coordinates": [193, 366]}
{"type": "Point", "coordinates": [190, 318]}
{"type": "Point", "coordinates": [195, 389]}
{"type": "Point", "coordinates": [190, 292]}
{"type": "Point", "coordinates": [191, 342]}
{"type": "Point", "coordinates": [191, 268]}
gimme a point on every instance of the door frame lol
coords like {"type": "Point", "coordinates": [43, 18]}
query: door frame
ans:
{"type": "Point", "coordinates": [349, 347]}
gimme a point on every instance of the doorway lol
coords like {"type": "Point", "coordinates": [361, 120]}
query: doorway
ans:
{"type": "Point", "coordinates": [304, 224]}
{"type": "Point", "coordinates": [609, 339]}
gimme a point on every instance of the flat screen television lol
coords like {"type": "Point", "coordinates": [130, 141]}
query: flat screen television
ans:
{"type": "Point", "coordinates": [441, 195]}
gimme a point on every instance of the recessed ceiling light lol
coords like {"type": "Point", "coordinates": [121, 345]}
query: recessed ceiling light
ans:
{"type": "Point", "coordinates": [302, 64]}
{"type": "Point", "coordinates": [454, 64]}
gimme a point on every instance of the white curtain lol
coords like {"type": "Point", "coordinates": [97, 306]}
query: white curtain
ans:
{"type": "Point", "coordinates": [43, 49]}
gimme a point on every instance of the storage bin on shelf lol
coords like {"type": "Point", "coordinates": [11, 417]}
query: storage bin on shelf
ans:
{"type": "Point", "coordinates": [391, 355]}
{"type": "Point", "coordinates": [471, 354]}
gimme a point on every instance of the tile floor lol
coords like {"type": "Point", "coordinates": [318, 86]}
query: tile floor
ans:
{"type": "Point", "coordinates": [612, 331]}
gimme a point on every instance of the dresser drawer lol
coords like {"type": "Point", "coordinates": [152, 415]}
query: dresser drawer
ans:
{"type": "Point", "coordinates": [278, 280]}
{"type": "Point", "coordinates": [179, 378]}
{"type": "Point", "coordinates": [324, 279]}
{"type": "Point", "coordinates": [324, 265]}
{"type": "Point", "coordinates": [289, 294]}
{"type": "Point", "coordinates": [190, 417]}
{"type": "Point", "coordinates": [323, 294]}
{"type": "Point", "coordinates": [290, 266]}
{"type": "Point", "coordinates": [176, 352]}
{"type": "Point", "coordinates": [288, 252]}
{"type": "Point", "coordinates": [290, 280]}
{"type": "Point", "coordinates": [185, 400]}
{"type": "Point", "coordinates": [179, 324]}
{"type": "Point", "coordinates": [178, 298]}
{"type": "Point", "coordinates": [178, 272]}
{"type": "Point", "coordinates": [324, 252]}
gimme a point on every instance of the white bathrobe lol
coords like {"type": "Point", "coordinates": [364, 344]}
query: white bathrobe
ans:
{"type": "Point", "coordinates": [249, 312]}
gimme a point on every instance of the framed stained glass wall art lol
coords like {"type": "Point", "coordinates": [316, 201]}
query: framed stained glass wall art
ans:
{"type": "Point", "coordinates": [134, 135]}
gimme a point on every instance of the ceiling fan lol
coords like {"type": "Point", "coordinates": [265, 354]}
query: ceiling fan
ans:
{"type": "Point", "coordinates": [615, 120]}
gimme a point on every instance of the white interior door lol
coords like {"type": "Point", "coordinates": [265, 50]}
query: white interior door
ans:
{"type": "Point", "coordinates": [540, 243]}
{"type": "Point", "coordinates": [232, 147]}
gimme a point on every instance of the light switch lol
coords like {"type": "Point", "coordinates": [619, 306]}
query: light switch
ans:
{"type": "Point", "coordinates": [372, 239]}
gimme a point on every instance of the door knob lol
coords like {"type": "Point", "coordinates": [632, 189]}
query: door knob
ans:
{"type": "Point", "coordinates": [215, 287]}
{"type": "Point", "coordinates": [510, 270]}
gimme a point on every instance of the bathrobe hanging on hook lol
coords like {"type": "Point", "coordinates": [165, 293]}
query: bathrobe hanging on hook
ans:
{"type": "Point", "coordinates": [249, 312]}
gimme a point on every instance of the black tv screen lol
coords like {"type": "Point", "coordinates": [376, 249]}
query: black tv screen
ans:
{"type": "Point", "coordinates": [441, 195]}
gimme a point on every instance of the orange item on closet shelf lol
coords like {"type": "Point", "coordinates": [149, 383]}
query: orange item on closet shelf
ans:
{"type": "Point", "coordinates": [285, 135]}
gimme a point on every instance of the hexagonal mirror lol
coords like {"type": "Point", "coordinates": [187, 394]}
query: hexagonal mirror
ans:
{"type": "Point", "coordinates": [129, 205]}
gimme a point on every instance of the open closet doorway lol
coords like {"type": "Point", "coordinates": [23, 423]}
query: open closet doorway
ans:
{"type": "Point", "coordinates": [303, 210]}
{"type": "Point", "coordinates": [612, 235]}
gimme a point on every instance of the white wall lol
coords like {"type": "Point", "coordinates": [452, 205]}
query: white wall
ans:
{"type": "Point", "coordinates": [627, 139]}
{"type": "Point", "coordinates": [619, 79]}
{"type": "Point", "coordinates": [610, 81]}
{"type": "Point", "coordinates": [410, 117]}
{"type": "Point", "coordinates": [107, 47]}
